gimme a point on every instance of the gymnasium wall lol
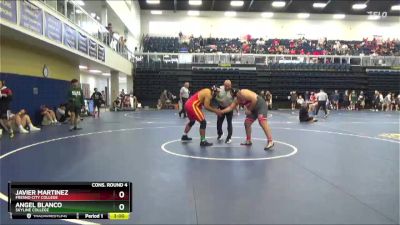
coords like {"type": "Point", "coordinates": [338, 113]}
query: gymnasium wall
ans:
{"type": "Point", "coordinates": [282, 25]}
{"type": "Point", "coordinates": [21, 66]}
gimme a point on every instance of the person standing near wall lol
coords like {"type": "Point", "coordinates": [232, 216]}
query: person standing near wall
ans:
{"type": "Point", "coordinates": [5, 100]}
{"type": "Point", "coordinates": [97, 98]}
{"type": "Point", "coordinates": [184, 96]}
{"type": "Point", "coordinates": [76, 101]}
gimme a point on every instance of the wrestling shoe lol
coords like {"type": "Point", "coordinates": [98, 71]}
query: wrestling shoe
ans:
{"type": "Point", "coordinates": [205, 144]}
{"type": "Point", "coordinates": [269, 146]}
{"type": "Point", "coordinates": [185, 138]}
{"type": "Point", "coordinates": [228, 141]}
{"type": "Point", "coordinates": [247, 143]}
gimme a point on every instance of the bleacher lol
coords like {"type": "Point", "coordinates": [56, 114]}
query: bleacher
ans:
{"type": "Point", "coordinates": [235, 45]}
{"type": "Point", "coordinates": [280, 79]}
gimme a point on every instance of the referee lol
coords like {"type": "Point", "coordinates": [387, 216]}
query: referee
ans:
{"type": "Point", "coordinates": [184, 96]}
{"type": "Point", "coordinates": [225, 98]}
{"type": "Point", "coordinates": [322, 97]}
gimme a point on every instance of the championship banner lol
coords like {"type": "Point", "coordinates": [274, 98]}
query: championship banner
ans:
{"type": "Point", "coordinates": [31, 17]}
{"type": "Point", "coordinates": [92, 48]}
{"type": "Point", "coordinates": [69, 36]}
{"type": "Point", "coordinates": [82, 43]}
{"type": "Point", "coordinates": [53, 28]}
{"type": "Point", "coordinates": [8, 10]}
{"type": "Point", "coordinates": [101, 53]}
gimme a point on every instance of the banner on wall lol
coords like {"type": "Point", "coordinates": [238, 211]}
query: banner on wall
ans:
{"type": "Point", "coordinates": [92, 48]}
{"type": "Point", "coordinates": [101, 53]}
{"type": "Point", "coordinates": [31, 17]}
{"type": "Point", "coordinates": [8, 11]}
{"type": "Point", "coordinates": [86, 90]}
{"type": "Point", "coordinates": [53, 28]}
{"type": "Point", "coordinates": [69, 36]}
{"type": "Point", "coordinates": [82, 43]}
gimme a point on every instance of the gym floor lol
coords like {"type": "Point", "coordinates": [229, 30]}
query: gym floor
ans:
{"type": "Point", "coordinates": [340, 170]}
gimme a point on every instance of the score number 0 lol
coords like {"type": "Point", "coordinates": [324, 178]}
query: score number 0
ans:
{"type": "Point", "coordinates": [121, 194]}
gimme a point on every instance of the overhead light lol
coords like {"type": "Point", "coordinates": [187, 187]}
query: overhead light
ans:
{"type": "Point", "coordinates": [193, 13]}
{"type": "Point", "coordinates": [267, 14]}
{"type": "Point", "coordinates": [156, 12]}
{"type": "Point", "coordinates": [359, 6]}
{"type": "Point", "coordinates": [395, 8]}
{"type": "Point", "coordinates": [93, 15]}
{"type": "Point", "coordinates": [230, 13]}
{"type": "Point", "coordinates": [78, 11]}
{"type": "Point", "coordinates": [153, 2]}
{"type": "Point", "coordinates": [303, 15]}
{"type": "Point", "coordinates": [79, 2]}
{"type": "Point", "coordinates": [82, 67]}
{"type": "Point", "coordinates": [278, 4]}
{"type": "Point", "coordinates": [374, 17]}
{"type": "Point", "coordinates": [237, 3]}
{"type": "Point", "coordinates": [94, 71]}
{"type": "Point", "coordinates": [319, 5]}
{"type": "Point", "coordinates": [339, 16]}
{"type": "Point", "coordinates": [106, 74]}
{"type": "Point", "coordinates": [195, 2]}
{"type": "Point", "coordinates": [97, 17]}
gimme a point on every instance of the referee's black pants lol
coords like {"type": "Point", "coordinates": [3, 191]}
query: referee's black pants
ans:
{"type": "Point", "coordinates": [323, 105]}
{"type": "Point", "coordinates": [220, 121]}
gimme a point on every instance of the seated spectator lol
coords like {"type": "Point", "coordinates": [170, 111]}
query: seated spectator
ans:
{"type": "Point", "coordinates": [300, 100]}
{"type": "Point", "coordinates": [361, 101]}
{"type": "Point", "coordinates": [116, 104]}
{"type": "Point", "coordinates": [268, 99]}
{"type": "Point", "coordinates": [165, 100]}
{"type": "Point", "coordinates": [303, 114]}
{"type": "Point", "coordinates": [397, 102]}
{"type": "Point", "coordinates": [22, 122]}
{"type": "Point", "coordinates": [313, 102]}
{"type": "Point", "coordinates": [387, 102]}
{"type": "Point", "coordinates": [49, 117]}
{"type": "Point", "coordinates": [62, 114]}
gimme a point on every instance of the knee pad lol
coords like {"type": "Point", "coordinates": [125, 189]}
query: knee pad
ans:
{"type": "Point", "coordinates": [191, 123]}
{"type": "Point", "coordinates": [248, 121]}
{"type": "Point", "coordinates": [261, 118]}
{"type": "Point", "coordinates": [203, 124]}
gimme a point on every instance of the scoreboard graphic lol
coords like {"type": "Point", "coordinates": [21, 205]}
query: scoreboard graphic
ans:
{"type": "Point", "coordinates": [70, 200]}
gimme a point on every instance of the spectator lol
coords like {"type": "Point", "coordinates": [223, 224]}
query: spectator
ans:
{"type": "Point", "coordinates": [49, 117]}
{"type": "Point", "coordinates": [353, 100]}
{"type": "Point", "coordinates": [303, 114]}
{"type": "Point", "coordinates": [376, 101]}
{"type": "Point", "coordinates": [335, 100]}
{"type": "Point", "coordinates": [61, 113]}
{"type": "Point", "coordinates": [313, 102]}
{"type": "Point", "coordinates": [22, 122]}
{"type": "Point", "coordinates": [346, 99]}
{"type": "Point", "coordinates": [184, 96]}
{"type": "Point", "coordinates": [322, 97]}
{"type": "Point", "coordinates": [5, 100]}
{"type": "Point", "coordinates": [109, 34]}
{"type": "Point", "coordinates": [387, 102]}
{"type": "Point", "coordinates": [116, 104]}
{"type": "Point", "coordinates": [361, 101]}
{"type": "Point", "coordinates": [268, 99]}
{"type": "Point", "coordinates": [97, 101]}
{"type": "Point", "coordinates": [397, 102]}
{"type": "Point", "coordinates": [76, 102]}
{"type": "Point", "coordinates": [293, 99]}
{"type": "Point", "coordinates": [300, 100]}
